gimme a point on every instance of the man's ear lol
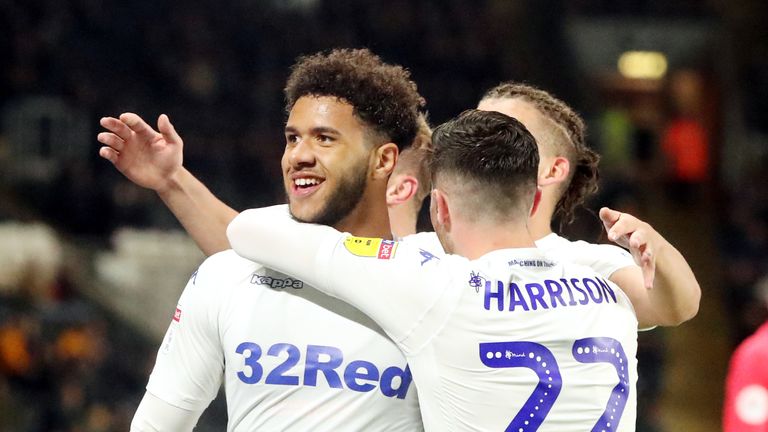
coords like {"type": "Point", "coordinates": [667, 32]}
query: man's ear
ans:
{"type": "Point", "coordinates": [386, 158]}
{"type": "Point", "coordinates": [556, 172]}
{"type": "Point", "coordinates": [536, 201]}
{"type": "Point", "coordinates": [401, 188]}
{"type": "Point", "coordinates": [439, 211]}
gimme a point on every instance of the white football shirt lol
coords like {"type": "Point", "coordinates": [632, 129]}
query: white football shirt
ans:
{"type": "Point", "coordinates": [514, 340]}
{"type": "Point", "coordinates": [289, 356]}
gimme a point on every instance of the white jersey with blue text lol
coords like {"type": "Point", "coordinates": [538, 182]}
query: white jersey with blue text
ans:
{"type": "Point", "coordinates": [290, 357]}
{"type": "Point", "coordinates": [514, 340]}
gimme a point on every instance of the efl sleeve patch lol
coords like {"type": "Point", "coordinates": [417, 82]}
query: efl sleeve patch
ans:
{"type": "Point", "coordinates": [371, 247]}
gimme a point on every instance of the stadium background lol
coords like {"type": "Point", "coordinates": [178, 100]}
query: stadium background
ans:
{"type": "Point", "coordinates": [91, 266]}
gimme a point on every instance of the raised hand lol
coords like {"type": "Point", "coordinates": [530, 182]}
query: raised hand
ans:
{"type": "Point", "coordinates": [145, 156]}
{"type": "Point", "coordinates": [642, 241]}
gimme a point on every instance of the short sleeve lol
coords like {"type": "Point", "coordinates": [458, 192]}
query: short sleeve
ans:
{"type": "Point", "coordinates": [190, 363]}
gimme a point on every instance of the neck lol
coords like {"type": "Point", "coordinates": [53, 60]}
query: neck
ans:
{"type": "Point", "coordinates": [475, 240]}
{"type": "Point", "coordinates": [402, 220]}
{"type": "Point", "coordinates": [540, 224]}
{"type": "Point", "coordinates": [369, 218]}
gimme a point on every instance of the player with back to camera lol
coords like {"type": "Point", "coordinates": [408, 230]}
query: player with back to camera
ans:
{"type": "Point", "coordinates": [663, 289]}
{"type": "Point", "coordinates": [499, 335]}
{"type": "Point", "coordinates": [290, 357]}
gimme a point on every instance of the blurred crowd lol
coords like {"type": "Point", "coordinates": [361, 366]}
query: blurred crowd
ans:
{"type": "Point", "coordinates": [66, 364]}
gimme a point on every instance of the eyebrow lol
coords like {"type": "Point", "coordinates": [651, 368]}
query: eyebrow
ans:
{"type": "Point", "coordinates": [315, 130]}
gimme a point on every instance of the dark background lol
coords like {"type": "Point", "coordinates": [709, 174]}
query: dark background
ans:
{"type": "Point", "coordinates": [71, 356]}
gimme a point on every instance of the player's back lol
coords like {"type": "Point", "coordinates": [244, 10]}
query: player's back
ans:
{"type": "Point", "coordinates": [521, 342]}
{"type": "Point", "coordinates": [292, 358]}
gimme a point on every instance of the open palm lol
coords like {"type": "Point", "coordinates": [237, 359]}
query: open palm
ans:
{"type": "Point", "coordinates": [145, 156]}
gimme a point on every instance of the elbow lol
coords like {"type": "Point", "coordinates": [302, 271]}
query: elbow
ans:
{"type": "Point", "coordinates": [235, 233]}
{"type": "Point", "coordinates": [687, 310]}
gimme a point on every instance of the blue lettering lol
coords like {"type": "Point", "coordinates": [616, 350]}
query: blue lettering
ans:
{"type": "Point", "coordinates": [607, 290]}
{"type": "Point", "coordinates": [314, 365]}
{"type": "Point", "coordinates": [587, 283]}
{"type": "Point", "coordinates": [538, 297]}
{"type": "Point", "coordinates": [584, 300]}
{"type": "Point", "coordinates": [252, 353]}
{"type": "Point", "coordinates": [388, 378]}
{"type": "Point", "coordinates": [353, 373]}
{"type": "Point", "coordinates": [277, 376]}
{"type": "Point", "coordinates": [555, 292]}
{"type": "Point", "coordinates": [359, 375]}
{"type": "Point", "coordinates": [498, 295]}
{"type": "Point", "coordinates": [571, 301]}
{"type": "Point", "coordinates": [516, 297]}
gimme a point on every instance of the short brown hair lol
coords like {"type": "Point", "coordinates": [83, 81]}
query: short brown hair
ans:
{"type": "Point", "coordinates": [382, 95]}
{"type": "Point", "coordinates": [494, 156]}
{"type": "Point", "coordinates": [584, 178]}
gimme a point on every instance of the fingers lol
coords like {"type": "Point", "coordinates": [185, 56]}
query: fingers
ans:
{"type": "Point", "coordinates": [109, 154]}
{"type": "Point", "coordinates": [609, 216]}
{"type": "Point", "coordinates": [648, 265]}
{"type": "Point", "coordinates": [644, 254]}
{"type": "Point", "coordinates": [138, 125]}
{"type": "Point", "coordinates": [166, 128]}
{"type": "Point", "coordinates": [116, 126]}
{"type": "Point", "coordinates": [112, 140]}
{"type": "Point", "coordinates": [622, 225]}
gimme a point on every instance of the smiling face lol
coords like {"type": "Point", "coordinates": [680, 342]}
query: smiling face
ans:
{"type": "Point", "coordinates": [326, 160]}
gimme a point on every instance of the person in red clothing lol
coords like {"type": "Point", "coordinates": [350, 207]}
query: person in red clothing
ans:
{"type": "Point", "coordinates": [685, 140]}
{"type": "Point", "coordinates": [746, 386]}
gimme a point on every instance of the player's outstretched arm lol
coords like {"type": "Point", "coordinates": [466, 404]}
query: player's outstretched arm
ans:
{"type": "Point", "coordinates": [154, 160]}
{"type": "Point", "coordinates": [664, 291]}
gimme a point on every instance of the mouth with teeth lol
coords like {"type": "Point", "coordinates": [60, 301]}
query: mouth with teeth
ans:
{"type": "Point", "coordinates": [304, 185]}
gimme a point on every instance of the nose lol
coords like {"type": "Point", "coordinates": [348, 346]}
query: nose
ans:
{"type": "Point", "coordinates": [300, 154]}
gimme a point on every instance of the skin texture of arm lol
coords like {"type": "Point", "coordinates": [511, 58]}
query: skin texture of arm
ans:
{"type": "Point", "coordinates": [663, 290]}
{"type": "Point", "coordinates": [156, 415]}
{"type": "Point", "coordinates": [153, 160]}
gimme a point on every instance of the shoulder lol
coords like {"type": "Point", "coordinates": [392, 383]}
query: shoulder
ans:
{"type": "Point", "coordinates": [578, 247]}
{"type": "Point", "coordinates": [604, 258]}
{"type": "Point", "coordinates": [424, 240]}
{"type": "Point", "coordinates": [223, 269]}
{"type": "Point", "coordinates": [227, 260]}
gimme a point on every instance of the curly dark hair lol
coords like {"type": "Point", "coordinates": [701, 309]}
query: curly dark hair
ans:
{"type": "Point", "coordinates": [382, 95]}
{"type": "Point", "coordinates": [491, 153]}
{"type": "Point", "coordinates": [584, 177]}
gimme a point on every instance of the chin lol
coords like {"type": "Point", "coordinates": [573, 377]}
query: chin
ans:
{"type": "Point", "coordinates": [302, 212]}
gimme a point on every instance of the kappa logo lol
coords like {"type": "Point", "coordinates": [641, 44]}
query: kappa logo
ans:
{"type": "Point", "coordinates": [371, 247]}
{"type": "Point", "coordinates": [177, 315]}
{"type": "Point", "coordinates": [274, 282]}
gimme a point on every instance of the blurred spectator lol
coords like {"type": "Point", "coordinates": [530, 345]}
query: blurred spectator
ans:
{"type": "Point", "coordinates": [31, 259]}
{"type": "Point", "coordinates": [685, 140]}
{"type": "Point", "coordinates": [746, 388]}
